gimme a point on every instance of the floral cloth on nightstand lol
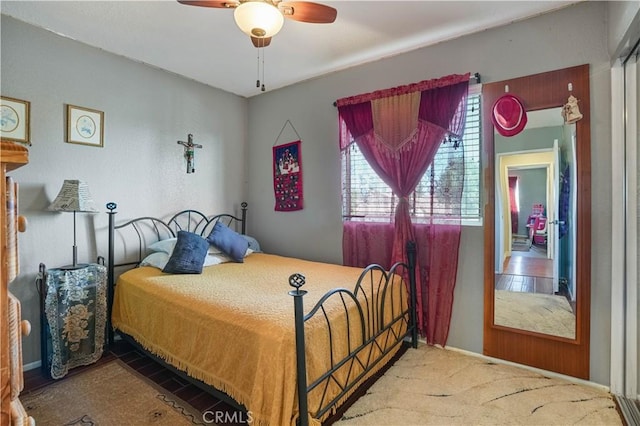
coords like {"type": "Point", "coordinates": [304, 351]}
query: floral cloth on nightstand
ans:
{"type": "Point", "coordinates": [76, 306]}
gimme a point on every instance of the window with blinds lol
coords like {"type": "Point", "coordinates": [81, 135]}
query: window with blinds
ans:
{"type": "Point", "coordinates": [365, 197]}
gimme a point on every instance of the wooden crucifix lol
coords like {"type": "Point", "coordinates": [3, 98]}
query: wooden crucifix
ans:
{"type": "Point", "coordinates": [189, 153]}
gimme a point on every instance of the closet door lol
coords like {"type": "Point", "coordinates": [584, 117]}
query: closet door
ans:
{"type": "Point", "coordinates": [632, 138]}
{"type": "Point", "coordinates": [625, 313]}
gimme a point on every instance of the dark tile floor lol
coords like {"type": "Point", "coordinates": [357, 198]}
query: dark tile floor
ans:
{"type": "Point", "coordinates": [179, 386]}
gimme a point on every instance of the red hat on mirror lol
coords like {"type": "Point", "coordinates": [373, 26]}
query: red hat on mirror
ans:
{"type": "Point", "coordinates": [509, 115]}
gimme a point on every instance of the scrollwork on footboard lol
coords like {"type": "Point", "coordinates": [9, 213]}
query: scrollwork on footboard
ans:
{"type": "Point", "coordinates": [377, 320]}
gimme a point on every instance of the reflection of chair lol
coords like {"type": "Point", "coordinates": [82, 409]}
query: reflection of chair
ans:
{"type": "Point", "coordinates": [540, 230]}
{"type": "Point", "coordinates": [537, 210]}
{"type": "Point", "coordinates": [537, 224]}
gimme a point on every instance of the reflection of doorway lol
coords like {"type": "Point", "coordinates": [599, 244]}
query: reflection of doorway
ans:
{"type": "Point", "coordinates": [535, 161]}
{"type": "Point", "coordinates": [527, 193]}
{"type": "Point", "coordinates": [527, 201]}
{"type": "Point", "coordinates": [529, 268]}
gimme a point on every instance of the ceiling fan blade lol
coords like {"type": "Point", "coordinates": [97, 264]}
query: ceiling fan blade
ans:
{"type": "Point", "coordinates": [210, 3]}
{"type": "Point", "coordinates": [261, 41]}
{"type": "Point", "coordinates": [306, 11]}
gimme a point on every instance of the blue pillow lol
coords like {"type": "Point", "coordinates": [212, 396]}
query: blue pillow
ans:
{"type": "Point", "coordinates": [229, 241]}
{"type": "Point", "coordinates": [253, 243]}
{"type": "Point", "coordinates": [188, 254]}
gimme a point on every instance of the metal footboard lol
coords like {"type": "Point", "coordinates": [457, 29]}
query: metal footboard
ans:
{"type": "Point", "coordinates": [379, 331]}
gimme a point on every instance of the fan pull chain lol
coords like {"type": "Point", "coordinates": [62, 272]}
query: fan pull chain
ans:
{"type": "Point", "coordinates": [258, 69]}
{"type": "Point", "coordinates": [262, 88]}
{"type": "Point", "coordinates": [260, 48]}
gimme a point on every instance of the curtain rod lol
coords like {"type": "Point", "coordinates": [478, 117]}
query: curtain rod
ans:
{"type": "Point", "coordinates": [474, 76]}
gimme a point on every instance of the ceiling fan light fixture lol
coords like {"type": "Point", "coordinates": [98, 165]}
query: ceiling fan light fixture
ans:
{"type": "Point", "coordinates": [258, 19]}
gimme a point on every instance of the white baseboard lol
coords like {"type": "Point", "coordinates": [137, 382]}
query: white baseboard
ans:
{"type": "Point", "coordinates": [31, 366]}
{"type": "Point", "coordinates": [534, 369]}
{"type": "Point", "coordinates": [38, 364]}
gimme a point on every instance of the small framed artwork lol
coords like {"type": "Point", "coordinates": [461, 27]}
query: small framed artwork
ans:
{"type": "Point", "coordinates": [14, 120]}
{"type": "Point", "coordinates": [85, 126]}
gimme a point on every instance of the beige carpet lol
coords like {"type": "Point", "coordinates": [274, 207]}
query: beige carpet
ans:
{"type": "Point", "coordinates": [433, 386]}
{"type": "Point", "coordinates": [542, 313]}
{"type": "Point", "coordinates": [108, 395]}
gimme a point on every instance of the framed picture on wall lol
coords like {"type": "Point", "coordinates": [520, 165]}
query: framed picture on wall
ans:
{"type": "Point", "coordinates": [85, 126]}
{"type": "Point", "coordinates": [14, 120]}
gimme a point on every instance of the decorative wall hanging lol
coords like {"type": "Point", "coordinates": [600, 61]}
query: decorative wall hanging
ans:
{"type": "Point", "coordinates": [189, 153]}
{"type": "Point", "coordinates": [287, 173]}
{"type": "Point", "coordinates": [85, 126]}
{"type": "Point", "coordinates": [570, 111]}
{"type": "Point", "coordinates": [14, 120]}
{"type": "Point", "coordinates": [287, 176]}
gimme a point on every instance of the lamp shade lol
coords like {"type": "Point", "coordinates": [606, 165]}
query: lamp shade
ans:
{"type": "Point", "coordinates": [74, 196]}
{"type": "Point", "coordinates": [258, 19]}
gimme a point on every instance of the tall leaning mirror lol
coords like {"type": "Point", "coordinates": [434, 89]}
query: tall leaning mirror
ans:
{"type": "Point", "coordinates": [535, 219]}
{"type": "Point", "coordinates": [537, 234]}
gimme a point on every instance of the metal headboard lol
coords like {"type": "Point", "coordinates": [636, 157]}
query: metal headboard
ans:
{"type": "Point", "coordinates": [147, 230]}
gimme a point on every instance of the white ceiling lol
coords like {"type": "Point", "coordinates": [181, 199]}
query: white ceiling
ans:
{"type": "Point", "coordinates": [205, 45]}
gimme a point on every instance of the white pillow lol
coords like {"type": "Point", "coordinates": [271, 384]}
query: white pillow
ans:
{"type": "Point", "coordinates": [216, 258]}
{"type": "Point", "coordinates": [164, 246]}
{"type": "Point", "coordinates": [162, 251]}
{"type": "Point", "coordinates": [214, 250]}
{"type": "Point", "coordinates": [158, 260]}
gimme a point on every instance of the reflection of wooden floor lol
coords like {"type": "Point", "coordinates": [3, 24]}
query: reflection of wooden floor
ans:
{"type": "Point", "coordinates": [524, 283]}
{"type": "Point", "coordinates": [526, 272]}
{"type": "Point", "coordinates": [528, 265]}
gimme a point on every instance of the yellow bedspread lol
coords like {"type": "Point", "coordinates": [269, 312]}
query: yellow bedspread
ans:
{"type": "Point", "coordinates": [233, 327]}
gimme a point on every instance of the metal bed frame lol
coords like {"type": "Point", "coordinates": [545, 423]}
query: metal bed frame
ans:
{"type": "Point", "coordinates": [375, 325]}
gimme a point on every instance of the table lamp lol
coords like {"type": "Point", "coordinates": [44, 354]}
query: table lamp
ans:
{"type": "Point", "coordinates": [74, 197]}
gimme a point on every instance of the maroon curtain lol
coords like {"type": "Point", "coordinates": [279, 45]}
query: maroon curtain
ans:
{"type": "Point", "coordinates": [399, 131]}
{"type": "Point", "coordinates": [513, 203]}
{"type": "Point", "coordinates": [364, 243]}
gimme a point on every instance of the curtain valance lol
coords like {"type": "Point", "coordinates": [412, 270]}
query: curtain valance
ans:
{"type": "Point", "coordinates": [394, 116]}
{"type": "Point", "coordinates": [401, 90]}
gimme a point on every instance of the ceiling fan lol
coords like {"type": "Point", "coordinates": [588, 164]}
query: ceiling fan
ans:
{"type": "Point", "coordinates": [262, 19]}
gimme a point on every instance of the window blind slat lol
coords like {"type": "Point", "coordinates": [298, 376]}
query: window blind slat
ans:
{"type": "Point", "coordinates": [366, 197]}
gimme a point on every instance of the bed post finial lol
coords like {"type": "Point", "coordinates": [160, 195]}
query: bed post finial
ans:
{"type": "Point", "coordinates": [243, 205]}
{"type": "Point", "coordinates": [111, 206]}
{"type": "Point", "coordinates": [297, 281]}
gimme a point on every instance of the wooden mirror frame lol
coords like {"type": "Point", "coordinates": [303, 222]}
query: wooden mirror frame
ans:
{"type": "Point", "coordinates": [566, 356]}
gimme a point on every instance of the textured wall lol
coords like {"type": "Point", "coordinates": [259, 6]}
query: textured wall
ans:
{"type": "Point", "coordinates": [140, 167]}
{"type": "Point", "coordinates": [569, 37]}
{"type": "Point", "coordinates": [147, 110]}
